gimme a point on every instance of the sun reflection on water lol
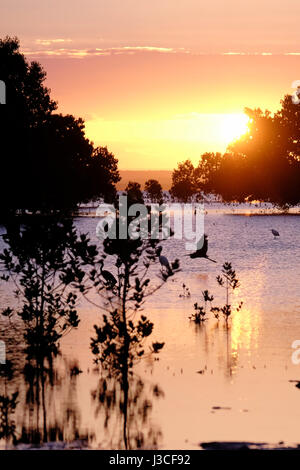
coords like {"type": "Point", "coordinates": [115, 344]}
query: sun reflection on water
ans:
{"type": "Point", "coordinates": [245, 330]}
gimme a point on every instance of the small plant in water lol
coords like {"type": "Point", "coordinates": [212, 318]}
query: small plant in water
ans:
{"type": "Point", "coordinates": [228, 279]}
{"type": "Point", "coordinates": [229, 282]}
{"type": "Point", "coordinates": [200, 311]}
{"type": "Point", "coordinates": [199, 315]}
{"type": "Point", "coordinates": [185, 292]}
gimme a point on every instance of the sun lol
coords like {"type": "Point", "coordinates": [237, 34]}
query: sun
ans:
{"type": "Point", "coordinates": [233, 126]}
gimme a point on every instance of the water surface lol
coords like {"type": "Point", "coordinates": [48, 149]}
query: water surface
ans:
{"type": "Point", "coordinates": [211, 382]}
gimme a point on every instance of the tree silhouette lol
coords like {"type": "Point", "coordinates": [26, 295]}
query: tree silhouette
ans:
{"type": "Point", "coordinates": [153, 190]}
{"type": "Point", "coordinates": [44, 261]}
{"type": "Point", "coordinates": [47, 162]}
{"type": "Point", "coordinates": [184, 182]}
{"type": "Point", "coordinates": [264, 164]}
{"type": "Point", "coordinates": [134, 193]}
{"type": "Point", "coordinates": [120, 341]}
{"type": "Point", "coordinates": [29, 100]}
{"type": "Point", "coordinates": [79, 172]}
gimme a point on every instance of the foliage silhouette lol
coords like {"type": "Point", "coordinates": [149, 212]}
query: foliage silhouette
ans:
{"type": "Point", "coordinates": [184, 182]}
{"type": "Point", "coordinates": [119, 342]}
{"type": "Point", "coordinates": [263, 164]}
{"type": "Point", "coordinates": [185, 292]}
{"type": "Point", "coordinates": [153, 191]}
{"type": "Point", "coordinates": [47, 163]}
{"type": "Point", "coordinates": [120, 337]}
{"type": "Point", "coordinates": [227, 280]}
{"type": "Point", "coordinates": [134, 193]}
{"type": "Point", "coordinates": [8, 405]}
{"type": "Point", "coordinates": [200, 312]}
{"type": "Point", "coordinates": [44, 260]}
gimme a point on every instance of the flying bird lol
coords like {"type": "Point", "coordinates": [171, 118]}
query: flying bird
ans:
{"type": "Point", "coordinates": [202, 252]}
{"type": "Point", "coordinates": [275, 233]}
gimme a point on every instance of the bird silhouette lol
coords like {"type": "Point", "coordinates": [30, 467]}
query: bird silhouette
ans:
{"type": "Point", "coordinates": [163, 260]}
{"type": "Point", "coordinates": [201, 252]}
{"type": "Point", "coordinates": [275, 233]}
{"type": "Point", "coordinates": [107, 276]}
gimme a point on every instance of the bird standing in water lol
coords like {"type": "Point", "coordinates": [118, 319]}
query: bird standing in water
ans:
{"type": "Point", "coordinates": [202, 252]}
{"type": "Point", "coordinates": [275, 233]}
{"type": "Point", "coordinates": [107, 276]}
{"type": "Point", "coordinates": [164, 260]}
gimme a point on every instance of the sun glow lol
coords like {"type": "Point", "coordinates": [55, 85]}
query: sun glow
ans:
{"type": "Point", "coordinates": [233, 126]}
{"type": "Point", "coordinates": [161, 143]}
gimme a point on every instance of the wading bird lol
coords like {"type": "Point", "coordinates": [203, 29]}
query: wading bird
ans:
{"type": "Point", "coordinates": [107, 276]}
{"type": "Point", "coordinates": [202, 252]}
{"type": "Point", "coordinates": [275, 233]}
{"type": "Point", "coordinates": [163, 260]}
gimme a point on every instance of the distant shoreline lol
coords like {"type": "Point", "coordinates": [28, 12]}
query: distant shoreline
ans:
{"type": "Point", "coordinates": [164, 177]}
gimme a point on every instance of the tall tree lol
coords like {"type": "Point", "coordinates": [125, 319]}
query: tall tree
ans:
{"type": "Point", "coordinates": [184, 179]}
{"type": "Point", "coordinates": [28, 99]}
{"type": "Point", "coordinates": [134, 193]}
{"type": "Point", "coordinates": [264, 164]}
{"type": "Point", "coordinates": [153, 190]}
{"type": "Point", "coordinates": [47, 161]}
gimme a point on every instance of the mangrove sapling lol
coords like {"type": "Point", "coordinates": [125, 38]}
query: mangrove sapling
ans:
{"type": "Point", "coordinates": [8, 405]}
{"type": "Point", "coordinates": [199, 315]}
{"type": "Point", "coordinates": [44, 262]}
{"type": "Point", "coordinates": [119, 341]}
{"type": "Point", "coordinates": [185, 292]}
{"type": "Point", "coordinates": [229, 282]}
{"type": "Point", "coordinates": [228, 279]}
{"type": "Point", "coordinates": [207, 298]}
{"type": "Point", "coordinates": [200, 311]}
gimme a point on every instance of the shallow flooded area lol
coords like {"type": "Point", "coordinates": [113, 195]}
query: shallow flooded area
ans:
{"type": "Point", "coordinates": [212, 382]}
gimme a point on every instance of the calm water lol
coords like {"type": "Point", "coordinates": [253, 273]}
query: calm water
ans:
{"type": "Point", "coordinates": [210, 383]}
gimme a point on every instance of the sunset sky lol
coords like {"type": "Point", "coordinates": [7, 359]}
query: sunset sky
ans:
{"type": "Point", "coordinates": [163, 80]}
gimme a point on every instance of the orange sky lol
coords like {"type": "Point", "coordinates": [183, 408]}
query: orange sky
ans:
{"type": "Point", "coordinates": [160, 81]}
